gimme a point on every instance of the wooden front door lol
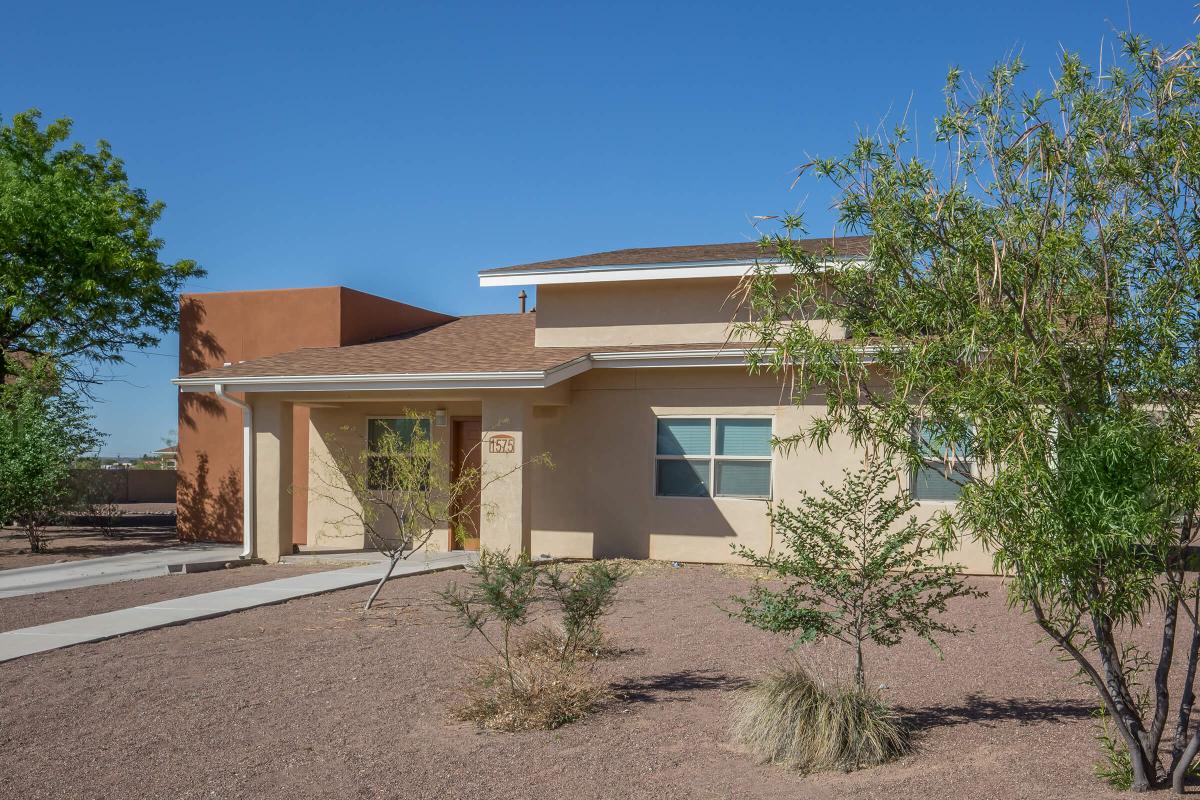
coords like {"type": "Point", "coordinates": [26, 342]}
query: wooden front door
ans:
{"type": "Point", "coordinates": [467, 436]}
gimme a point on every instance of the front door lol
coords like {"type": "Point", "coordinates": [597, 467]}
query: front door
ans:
{"type": "Point", "coordinates": [467, 439]}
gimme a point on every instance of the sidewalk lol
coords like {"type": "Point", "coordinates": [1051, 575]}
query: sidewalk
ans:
{"type": "Point", "coordinates": [40, 638]}
{"type": "Point", "coordinates": [109, 569]}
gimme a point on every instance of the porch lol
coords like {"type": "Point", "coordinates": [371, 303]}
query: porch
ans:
{"type": "Point", "coordinates": [299, 493]}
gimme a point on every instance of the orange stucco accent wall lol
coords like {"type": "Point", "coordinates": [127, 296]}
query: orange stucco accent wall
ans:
{"type": "Point", "coordinates": [226, 327]}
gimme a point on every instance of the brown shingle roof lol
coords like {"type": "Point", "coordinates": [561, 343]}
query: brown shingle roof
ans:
{"type": "Point", "coordinates": [689, 254]}
{"type": "Point", "coordinates": [484, 343]}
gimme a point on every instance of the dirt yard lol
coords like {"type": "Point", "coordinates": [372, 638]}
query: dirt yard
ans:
{"type": "Point", "coordinates": [142, 526]}
{"type": "Point", "coordinates": [38, 609]}
{"type": "Point", "coordinates": [312, 700]}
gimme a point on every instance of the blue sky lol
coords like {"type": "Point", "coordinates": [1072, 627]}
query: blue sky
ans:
{"type": "Point", "coordinates": [400, 147]}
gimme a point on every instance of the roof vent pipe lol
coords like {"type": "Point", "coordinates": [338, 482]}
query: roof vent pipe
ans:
{"type": "Point", "coordinates": [522, 297]}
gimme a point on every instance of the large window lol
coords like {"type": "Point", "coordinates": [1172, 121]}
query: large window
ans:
{"type": "Point", "coordinates": [379, 476]}
{"type": "Point", "coordinates": [945, 467]}
{"type": "Point", "coordinates": [713, 457]}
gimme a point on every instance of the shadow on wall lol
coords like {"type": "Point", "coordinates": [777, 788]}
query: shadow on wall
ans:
{"type": "Point", "coordinates": [198, 350]}
{"type": "Point", "coordinates": [208, 514]}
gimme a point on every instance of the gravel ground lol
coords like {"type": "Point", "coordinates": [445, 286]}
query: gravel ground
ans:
{"type": "Point", "coordinates": [74, 543]}
{"type": "Point", "coordinates": [38, 609]}
{"type": "Point", "coordinates": [312, 700]}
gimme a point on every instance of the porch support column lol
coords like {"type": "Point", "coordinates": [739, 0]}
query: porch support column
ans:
{"type": "Point", "coordinates": [504, 518]}
{"type": "Point", "coordinates": [273, 477]}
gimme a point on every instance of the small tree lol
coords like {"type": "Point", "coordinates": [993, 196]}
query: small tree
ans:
{"type": "Point", "coordinates": [400, 491]}
{"type": "Point", "coordinates": [43, 431]}
{"type": "Point", "coordinates": [859, 569]}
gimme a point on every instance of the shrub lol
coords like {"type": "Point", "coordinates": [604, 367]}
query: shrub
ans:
{"type": "Point", "coordinates": [531, 693]}
{"type": "Point", "coordinates": [788, 718]}
{"type": "Point", "coordinates": [584, 598]}
{"type": "Point", "coordinates": [545, 678]}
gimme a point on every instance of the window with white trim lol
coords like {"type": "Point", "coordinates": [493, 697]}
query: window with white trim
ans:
{"type": "Point", "coordinates": [945, 467]}
{"type": "Point", "coordinates": [713, 457]}
{"type": "Point", "coordinates": [404, 429]}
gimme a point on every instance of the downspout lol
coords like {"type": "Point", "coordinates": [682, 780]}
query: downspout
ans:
{"type": "Point", "coordinates": [247, 467]}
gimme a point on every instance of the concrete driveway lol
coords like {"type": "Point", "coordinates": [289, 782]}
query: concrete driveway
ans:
{"type": "Point", "coordinates": [110, 569]}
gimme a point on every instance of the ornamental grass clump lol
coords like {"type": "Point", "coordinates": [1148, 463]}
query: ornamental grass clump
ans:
{"type": "Point", "coordinates": [790, 719]}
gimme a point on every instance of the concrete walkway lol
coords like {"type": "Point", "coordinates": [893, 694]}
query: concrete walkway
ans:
{"type": "Point", "coordinates": [109, 569]}
{"type": "Point", "coordinates": [40, 638]}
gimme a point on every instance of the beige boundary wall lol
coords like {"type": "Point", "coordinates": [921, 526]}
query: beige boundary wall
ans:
{"type": "Point", "coordinates": [598, 500]}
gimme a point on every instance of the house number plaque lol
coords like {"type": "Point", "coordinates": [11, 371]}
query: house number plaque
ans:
{"type": "Point", "coordinates": [502, 443]}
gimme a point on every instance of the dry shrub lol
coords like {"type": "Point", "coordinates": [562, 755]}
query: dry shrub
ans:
{"type": "Point", "coordinates": [789, 718]}
{"type": "Point", "coordinates": [543, 694]}
{"type": "Point", "coordinates": [553, 644]}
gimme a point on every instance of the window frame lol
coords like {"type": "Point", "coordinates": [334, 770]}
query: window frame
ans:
{"type": "Point", "coordinates": [948, 464]}
{"type": "Point", "coordinates": [712, 458]}
{"type": "Point", "coordinates": [426, 418]}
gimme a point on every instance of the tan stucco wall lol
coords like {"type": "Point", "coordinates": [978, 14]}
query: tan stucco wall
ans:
{"type": "Point", "coordinates": [599, 501]}
{"type": "Point", "coordinates": [344, 427]}
{"type": "Point", "coordinates": [641, 312]}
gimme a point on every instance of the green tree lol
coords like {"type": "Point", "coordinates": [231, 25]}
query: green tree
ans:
{"type": "Point", "coordinates": [1032, 294]}
{"type": "Point", "coordinates": [44, 430]}
{"type": "Point", "coordinates": [860, 569]}
{"type": "Point", "coordinates": [80, 276]}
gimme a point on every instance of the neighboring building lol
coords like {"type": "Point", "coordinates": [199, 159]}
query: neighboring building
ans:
{"type": "Point", "coordinates": [626, 375]}
{"type": "Point", "coordinates": [163, 458]}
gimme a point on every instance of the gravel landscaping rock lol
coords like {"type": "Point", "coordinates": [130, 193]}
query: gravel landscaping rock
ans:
{"type": "Point", "coordinates": [314, 699]}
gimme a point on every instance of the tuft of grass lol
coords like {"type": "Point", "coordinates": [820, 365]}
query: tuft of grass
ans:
{"type": "Point", "coordinates": [543, 694]}
{"type": "Point", "coordinates": [788, 718]}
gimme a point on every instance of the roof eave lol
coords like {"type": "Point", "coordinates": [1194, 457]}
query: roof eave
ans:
{"type": "Point", "coordinates": [527, 379]}
{"type": "Point", "coordinates": [643, 272]}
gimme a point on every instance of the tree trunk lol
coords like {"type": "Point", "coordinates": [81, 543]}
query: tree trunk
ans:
{"type": "Point", "coordinates": [391, 566]}
{"type": "Point", "coordinates": [860, 675]}
{"type": "Point", "coordinates": [1180, 772]}
{"type": "Point", "coordinates": [35, 541]}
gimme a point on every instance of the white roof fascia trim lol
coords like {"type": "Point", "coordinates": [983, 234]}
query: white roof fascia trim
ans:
{"type": "Point", "coordinates": [733, 269]}
{"type": "Point", "coordinates": [669, 358]}
{"type": "Point", "coordinates": [646, 272]}
{"type": "Point", "coordinates": [533, 379]}
{"type": "Point", "coordinates": [655, 272]}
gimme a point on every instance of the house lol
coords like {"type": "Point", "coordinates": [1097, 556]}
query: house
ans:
{"type": "Point", "coordinates": [625, 375]}
{"type": "Point", "coordinates": [163, 458]}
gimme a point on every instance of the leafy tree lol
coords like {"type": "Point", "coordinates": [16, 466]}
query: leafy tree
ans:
{"type": "Point", "coordinates": [859, 569]}
{"type": "Point", "coordinates": [80, 275]}
{"type": "Point", "coordinates": [399, 491]}
{"type": "Point", "coordinates": [1033, 293]}
{"type": "Point", "coordinates": [43, 431]}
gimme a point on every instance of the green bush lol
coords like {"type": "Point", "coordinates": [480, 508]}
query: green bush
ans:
{"type": "Point", "coordinates": [788, 718]}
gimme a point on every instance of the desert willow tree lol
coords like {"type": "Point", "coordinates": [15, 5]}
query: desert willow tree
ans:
{"type": "Point", "coordinates": [400, 491]}
{"type": "Point", "coordinates": [1027, 324]}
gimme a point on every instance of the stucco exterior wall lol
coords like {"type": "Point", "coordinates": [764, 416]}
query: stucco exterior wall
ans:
{"type": "Point", "coordinates": [338, 433]}
{"type": "Point", "coordinates": [226, 327]}
{"type": "Point", "coordinates": [599, 500]}
{"type": "Point", "coordinates": [642, 312]}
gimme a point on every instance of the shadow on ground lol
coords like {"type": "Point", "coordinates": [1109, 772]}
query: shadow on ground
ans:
{"type": "Point", "coordinates": [984, 710]}
{"type": "Point", "coordinates": [673, 687]}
